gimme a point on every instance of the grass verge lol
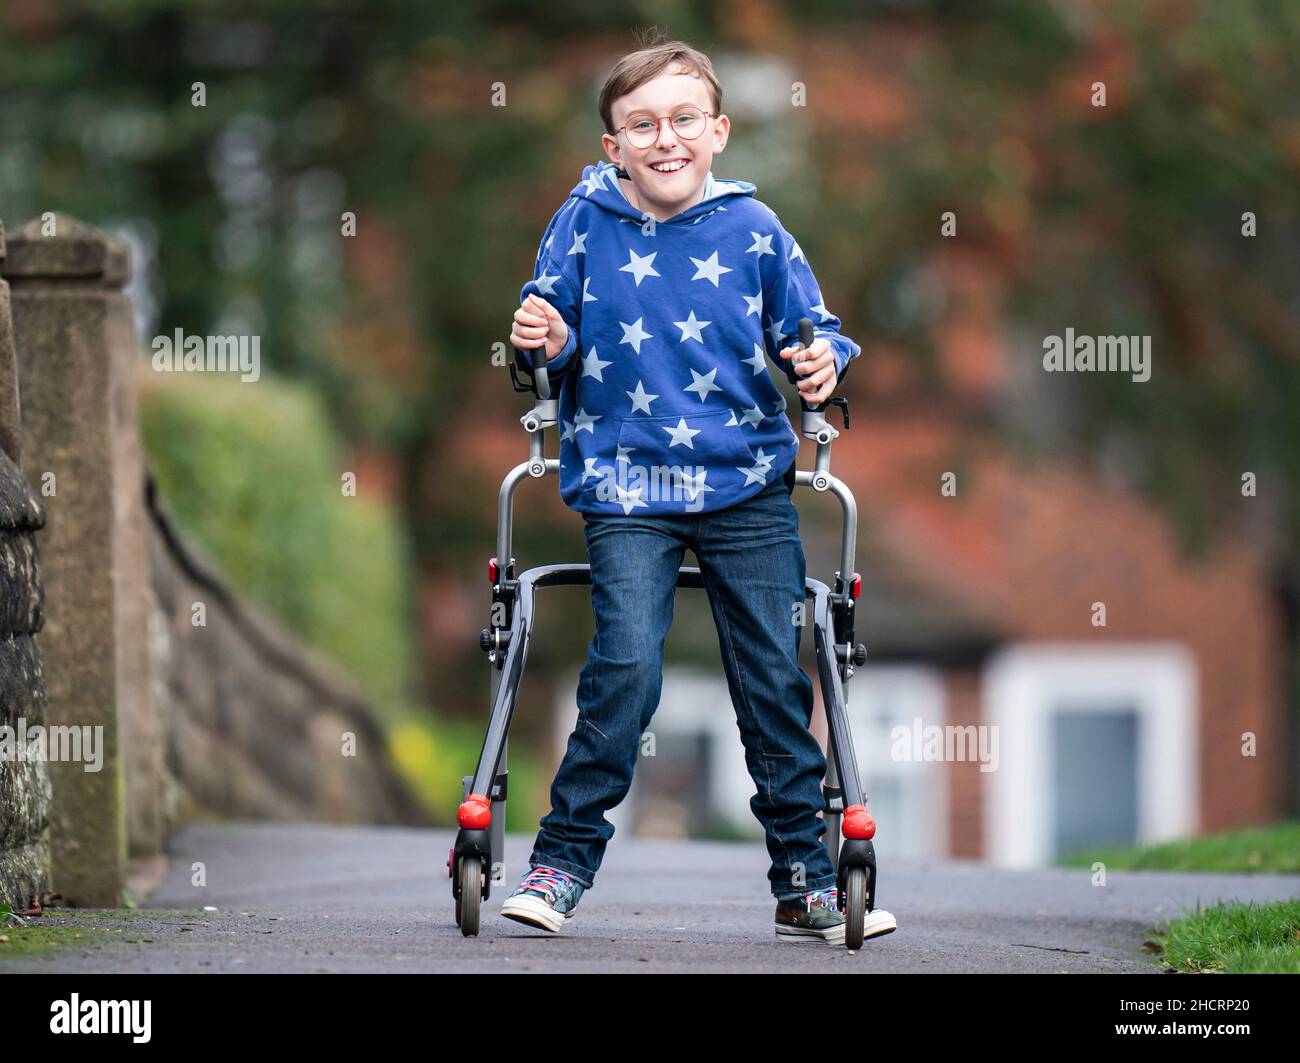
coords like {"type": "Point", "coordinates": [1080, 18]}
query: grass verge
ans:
{"type": "Point", "coordinates": [1234, 938]}
{"type": "Point", "coordinates": [1263, 850]}
{"type": "Point", "coordinates": [1230, 937]}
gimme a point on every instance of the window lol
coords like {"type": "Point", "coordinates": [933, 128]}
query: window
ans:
{"type": "Point", "coordinates": [1103, 732]}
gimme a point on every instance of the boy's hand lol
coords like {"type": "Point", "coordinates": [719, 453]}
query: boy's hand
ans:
{"type": "Point", "coordinates": [538, 322]}
{"type": "Point", "coordinates": [816, 364]}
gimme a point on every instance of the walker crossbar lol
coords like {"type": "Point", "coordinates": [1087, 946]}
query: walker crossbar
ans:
{"type": "Point", "coordinates": [830, 664]}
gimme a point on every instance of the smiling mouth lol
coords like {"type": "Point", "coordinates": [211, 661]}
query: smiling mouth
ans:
{"type": "Point", "coordinates": [668, 173]}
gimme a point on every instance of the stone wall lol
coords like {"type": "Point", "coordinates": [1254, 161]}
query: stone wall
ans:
{"type": "Point", "coordinates": [24, 784]}
{"type": "Point", "coordinates": [232, 716]}
{"type": "Point", "coordinates": [256, 724]}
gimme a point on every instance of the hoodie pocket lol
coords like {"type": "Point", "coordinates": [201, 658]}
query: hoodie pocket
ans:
{"type": "Point", "coordinates": [685, 440]}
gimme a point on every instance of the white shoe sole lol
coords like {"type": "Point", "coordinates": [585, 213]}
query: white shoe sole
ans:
{"type": "Point", "coordinates": [878, 923]}
{"type": "Point", "coordinates": [534, 911]}
{"type": "Point", "coordinates": [835, 935]}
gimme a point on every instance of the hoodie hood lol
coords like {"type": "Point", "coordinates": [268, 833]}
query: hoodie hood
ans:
{"type": "Point", "coordinates": [600, 185]}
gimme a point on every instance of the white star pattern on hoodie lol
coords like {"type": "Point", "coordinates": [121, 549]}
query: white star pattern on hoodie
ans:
{"type": "Point", "coordinates": [671, 327]}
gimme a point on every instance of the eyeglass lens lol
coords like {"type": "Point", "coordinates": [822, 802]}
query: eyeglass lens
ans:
{"type": "Point", "coordinates": [643, 129]}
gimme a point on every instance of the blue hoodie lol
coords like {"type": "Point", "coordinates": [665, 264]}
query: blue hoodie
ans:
{"type": "Point", "coordinates": [666, 403]}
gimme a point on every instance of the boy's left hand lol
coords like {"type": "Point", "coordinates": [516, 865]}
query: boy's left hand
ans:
{"type": "Point", "coordinates": [816, 364]}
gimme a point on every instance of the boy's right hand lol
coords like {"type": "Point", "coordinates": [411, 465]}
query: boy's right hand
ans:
{"type": "Point", "coordinates": [538, 322]}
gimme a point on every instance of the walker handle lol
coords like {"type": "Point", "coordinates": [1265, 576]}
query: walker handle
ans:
{"type": "Point", "coordinates": [536, 358]}
{"type": "Point", "coordinates": [805, 341]}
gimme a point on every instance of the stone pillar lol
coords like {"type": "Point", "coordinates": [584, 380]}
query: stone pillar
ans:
{"type": "Point", "coordinates": [10, 415]}
{"type": "Point", "coordinates": [24, 783]}
{"type": "Point", "coordinates": [76, 352]}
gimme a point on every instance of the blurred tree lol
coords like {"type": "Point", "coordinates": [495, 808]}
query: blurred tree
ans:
{"type": "Point", "coordinates": [1122, 219]}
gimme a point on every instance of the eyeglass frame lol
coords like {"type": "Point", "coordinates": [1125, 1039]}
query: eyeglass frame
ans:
{"type": "Point", "coordinates": [660, 118]}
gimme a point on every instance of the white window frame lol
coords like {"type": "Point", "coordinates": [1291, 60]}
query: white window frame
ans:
{"type": "Point", "coordinates": [1024, 685]}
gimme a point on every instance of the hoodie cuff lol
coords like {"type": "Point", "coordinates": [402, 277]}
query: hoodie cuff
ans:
{"type": "Point", "coordinates": [561, 361]}
{"type": "Point", "coordinates": [843, 350]}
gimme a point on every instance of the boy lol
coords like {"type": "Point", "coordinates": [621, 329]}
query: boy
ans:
{"type": "Point", "coordinates": [658, 294]}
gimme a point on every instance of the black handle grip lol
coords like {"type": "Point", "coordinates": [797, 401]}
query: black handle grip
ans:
{"type": "Point", "coordinates": [534, 359]}
{"type": "Point", "coordinates": [805, 341]}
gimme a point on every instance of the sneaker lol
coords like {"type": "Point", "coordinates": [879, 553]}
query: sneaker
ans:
{"type": "Point", "coordinates": [545, 898]}
{"type": "Point", "coordinates": [817, 916]}
{"type": "Point", "coordinates": [812, 917]}
{"type": "Point", "coordinates": [878, 923]}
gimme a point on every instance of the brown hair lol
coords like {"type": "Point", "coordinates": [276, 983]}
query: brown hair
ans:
{"type": "Point", "coordinates": [647, 63]}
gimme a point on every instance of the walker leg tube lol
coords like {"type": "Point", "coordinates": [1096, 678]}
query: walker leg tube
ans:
{"type": "Point", "coordinates": [853, 852]}
{"type": "Point", "coordinates": [503, 705]}
{"type": "Point", "coordinates": [497, 831]}
{"type": "Point", "coordinates": [831, 814]}
{"type": "Point", "coordinates": [837, 720]}
{"type": "Point", "coordinates": [489, 844]}
{"type": "Point", "coordinates": [496, 868]}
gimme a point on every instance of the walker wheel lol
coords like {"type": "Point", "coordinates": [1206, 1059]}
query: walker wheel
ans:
{"type": "Point", "coordinates": [855, 907]}
{"type": "Point", "coordinates": [471, 894]}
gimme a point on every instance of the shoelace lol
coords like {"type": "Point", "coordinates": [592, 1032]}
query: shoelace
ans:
{"type": "Point", "coordinates": [548, 879]}
{"type": "Point", "coordinates": [827, 898]}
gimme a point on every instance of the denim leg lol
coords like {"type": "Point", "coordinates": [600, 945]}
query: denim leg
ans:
{"type": "Point", "coordinates": [634, 563]}
{"type": "Point", "coordinates": [752, 562]}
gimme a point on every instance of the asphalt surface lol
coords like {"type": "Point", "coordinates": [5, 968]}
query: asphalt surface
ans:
{"type": "Point", "coordinates": [312, 898]}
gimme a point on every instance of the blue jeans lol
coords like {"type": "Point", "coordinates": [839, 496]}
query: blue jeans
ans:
{"type": "Point", "coordinates": [752, 563]}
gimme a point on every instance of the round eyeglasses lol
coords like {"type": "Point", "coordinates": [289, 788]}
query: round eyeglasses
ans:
{"type": "Point", "coordinates": [643, 129]}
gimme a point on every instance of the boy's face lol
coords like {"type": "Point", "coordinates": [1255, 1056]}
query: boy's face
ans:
{"type": "Point", "coordinates": [667, 194]}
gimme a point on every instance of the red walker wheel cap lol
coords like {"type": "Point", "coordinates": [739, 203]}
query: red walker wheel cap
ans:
{"type": "Point", "coordinates": [858, 822]}
{"type": "Point", "coordinates": [475, 813]}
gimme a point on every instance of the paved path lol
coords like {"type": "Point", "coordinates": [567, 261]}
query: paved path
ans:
{"type": "Point", "coordinates": [305, 897]}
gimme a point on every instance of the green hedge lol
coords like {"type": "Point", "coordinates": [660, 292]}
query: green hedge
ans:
{"type": "Point", "coordinates": [252, 471]}
{"type": "Point", "coordinates": [434, 759]}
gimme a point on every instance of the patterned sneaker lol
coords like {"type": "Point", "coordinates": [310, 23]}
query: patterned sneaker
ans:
{"type": "Point", "coordinates": [817, 916]}
{"type": "Point", "coordinates": [545, 898]}
{"type": "Point", "coordinates": [812, 917]}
